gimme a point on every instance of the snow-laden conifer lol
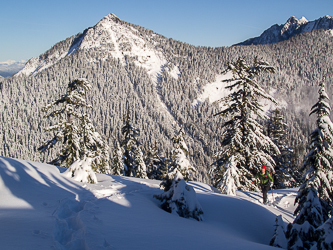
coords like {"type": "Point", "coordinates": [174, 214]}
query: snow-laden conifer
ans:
{"type": "Point", "coordinates": [228, 180]}
{"type": "Point", "coordinates": [151, 157]}
{"type": "Point", "coordinates": [156, 165]}
{"type": "Point", "coordinates": [67, 130]}
{"type": "Point", "coordinates": [180, 198]}
{"type": "Point", "coordinates": [140, 166]}
{"type": "Point", "coordinates": [300, 236]}
{"type": "Point", "coordinates": [94, 146]}
{"type": "Point", "coordinates": [82, 171]}
{"type": "Point", "coordinates": [179, 161]}
{"type": "Point", "coordinates": [118, 163]}
{"type": "Point", "coordinates": [75, 130]}
{"type": "Point", "coordinates": [314, 197]}
{"type": "Point", "coordinates": [243, 135]}
{"type": "Point", "coordinates": [133, 156]}
{"type": "Point", "coordinates": [318, 163]}
{"type": "Point", "coordinates": [319, 160]}
{"type": "Point", "coordinates": [164, 167]}
{"type": "Point", "coordinates": [285, 176]}
{"type": "Point", "coordinates": [324, 236]}
{"type": "Point", "coordinates": [279, 237]}
{"type": "Point", "coordinates": [300, 233]}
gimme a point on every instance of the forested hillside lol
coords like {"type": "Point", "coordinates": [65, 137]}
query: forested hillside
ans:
{"type": "Point", "coordinates": [161, 103]}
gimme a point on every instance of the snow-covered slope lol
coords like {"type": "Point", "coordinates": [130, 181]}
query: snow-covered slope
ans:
{"type": "Point", "coordinates": [42, 209]}
{"type": "Point", "coordinates": [216, 90]}
{"type": "Point", "coordinates": [111, 38]}
{"type": "Point", "coordinates": [121, 41]}
{"type": "Point", "coordinates": [292, 27]}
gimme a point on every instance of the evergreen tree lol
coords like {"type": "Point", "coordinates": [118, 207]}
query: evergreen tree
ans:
{"type": "Point", "coordinates": [140, 166]}
{"type": "Point", "coordinates": [156, 165]}
{"type": "Point", "coordinates": [74, 130]}
{"type": "Point", "coordinates": [300, 233]}
{"type": "Point", "coordinates": [314, 197]}
{"type": "Point", "coordinates": [179, 161]}
{"type": "Point", "coordinates": [133, 156]}
{"type": "Point", "coordinates": [228, 180]}
{"type": "Point", "coordinates": [279, 237]}
{"type": "Point", "coordinates": [129, 143]}
{"type": "Point", "coordinates": [118, 163]}
{"type": "Point", "coordinates": [323, 236]}
{"type": "Point", "coordinates": [243, 136]}
{"type": "Point", "coordinates": [164, 167]}
{"type": "Point", "coordinates": [93, 146]}
{"type": "Point", "coordinates": [82, 171]}
{"type": "Point", "coordinates": [180, 198]}
{"type": "Point", "coordinates": [284, 170]}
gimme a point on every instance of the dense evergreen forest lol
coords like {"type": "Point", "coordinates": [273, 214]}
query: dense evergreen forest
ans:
{"type": "Point", "coordinates": [161, 108]}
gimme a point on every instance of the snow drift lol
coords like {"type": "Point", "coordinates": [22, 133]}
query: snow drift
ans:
{"type": "Point", "coordinates": [40, 208]}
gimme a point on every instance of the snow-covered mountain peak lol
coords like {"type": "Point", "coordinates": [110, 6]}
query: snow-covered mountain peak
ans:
{"type": "Point", "coordinates": [121, 40]}
{"type": "Point", "coordinates": [108, 21]}
{"type": "Point", "coordinates": [111, 17]}
{"type": "Point", "coordinates": [292, 19]}
{"type": "Point", "coordinates": [303, 20]}
{"type": "Point", "coordinates": [292, 27]}
{"type": "Point", "coordinates": [112, 38]}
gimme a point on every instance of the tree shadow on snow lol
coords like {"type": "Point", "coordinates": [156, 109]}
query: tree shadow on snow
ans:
{"type": "Point", "coordinates": [40, 206]}
{"type": "Point", "coordinates": [25, 181]}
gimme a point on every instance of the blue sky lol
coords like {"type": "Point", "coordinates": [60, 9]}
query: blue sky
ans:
{"type": "Point", "coordinates": [29, 28]}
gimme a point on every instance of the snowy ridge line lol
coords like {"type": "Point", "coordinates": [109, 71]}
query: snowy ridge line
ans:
{"type": "Point", "coordinates": [291, 28]}
{"type": "Point", "coordinates": [36, 64]}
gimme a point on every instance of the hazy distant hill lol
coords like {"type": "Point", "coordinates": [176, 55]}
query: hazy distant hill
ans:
{"type": "Point", "coordinates": [162, 80]}
{"type": "Point", "coordinates": [10, 67]}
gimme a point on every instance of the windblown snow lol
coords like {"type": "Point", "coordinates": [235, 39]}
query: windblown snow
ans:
{"type": "Point", "coordinates": [41, 208]}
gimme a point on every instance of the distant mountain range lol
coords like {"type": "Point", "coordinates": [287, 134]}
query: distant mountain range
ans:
{"type": "Point", "coordinates": [274, 34]}
{"type": "Point", "coordinates": [292, 27]}
{"type": "Point", "coordinates": [110, 32]}
{"type": "Point", "coordinates": [10, 67]}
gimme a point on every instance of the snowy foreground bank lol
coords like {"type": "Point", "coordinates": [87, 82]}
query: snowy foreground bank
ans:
{"type": "Point", "coordinates": [42, 209]}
